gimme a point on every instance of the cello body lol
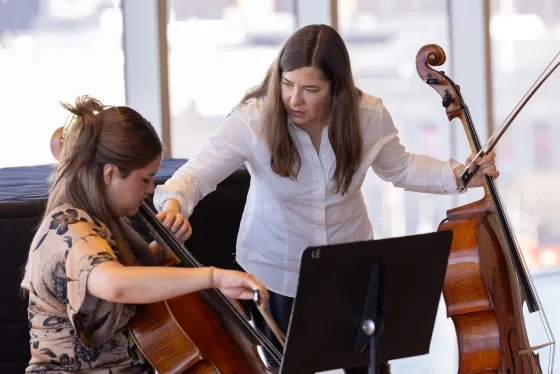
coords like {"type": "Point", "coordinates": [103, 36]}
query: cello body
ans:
{"type": "Point", "coordinates": [480, 299]}
{"type": "Point", "coordinates": [184, 335]}
{"type": "Point", "coordinates": [486, 281]}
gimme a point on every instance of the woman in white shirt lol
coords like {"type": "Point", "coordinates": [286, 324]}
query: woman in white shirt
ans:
{"type": "Point", "coordinates": [307, 136]}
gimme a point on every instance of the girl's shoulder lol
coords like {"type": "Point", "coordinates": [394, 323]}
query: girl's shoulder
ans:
{"type": "Point", "coordinates": [71, 223]}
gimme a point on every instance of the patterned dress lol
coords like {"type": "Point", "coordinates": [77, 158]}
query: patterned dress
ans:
{"type": "Point", "coordinates": [70, 330]}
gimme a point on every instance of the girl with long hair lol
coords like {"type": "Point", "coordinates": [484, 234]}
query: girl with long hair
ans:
{"type": "Point", "coordinates": [87, 268]}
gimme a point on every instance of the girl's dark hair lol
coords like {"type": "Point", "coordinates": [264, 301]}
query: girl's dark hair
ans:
{"type": "Point", "coordinates": [101, 135]}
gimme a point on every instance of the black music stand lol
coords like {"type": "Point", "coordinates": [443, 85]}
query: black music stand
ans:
{"type": "Point", "coordinates": [361, 303]}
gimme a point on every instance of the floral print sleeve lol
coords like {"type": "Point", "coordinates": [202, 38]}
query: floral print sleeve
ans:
{"type": "Point", "coordinates": [94, 320]}
{"type": "Point", "coordinates": [70, 329]}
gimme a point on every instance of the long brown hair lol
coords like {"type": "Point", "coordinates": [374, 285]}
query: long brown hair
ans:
{"type": "Point", "coordinates": [322, 47]}
{"type": "Point", "coordinates": [102, 135]}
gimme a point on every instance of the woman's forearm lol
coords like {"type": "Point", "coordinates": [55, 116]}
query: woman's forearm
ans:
{"type": "Point", "coordinates": [143, 285]}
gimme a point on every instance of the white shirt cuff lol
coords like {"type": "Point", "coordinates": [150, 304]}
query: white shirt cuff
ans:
{"type": "Point", "coordinates": [453, 180]}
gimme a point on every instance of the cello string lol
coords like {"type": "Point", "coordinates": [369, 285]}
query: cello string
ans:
{"type": "Point", "coordinates": [544, 320]}
{"type": "Point", "coordinates": [542, 316]}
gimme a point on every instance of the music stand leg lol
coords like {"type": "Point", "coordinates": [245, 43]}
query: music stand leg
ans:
{"type": "Point", "coordinates": [368, 328]}
{"type": "Point", "coordinates": [371, 316]}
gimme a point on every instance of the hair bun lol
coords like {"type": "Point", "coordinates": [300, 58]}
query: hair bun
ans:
{"type": "Point", "coordinates": [86, 105]}
{"type": "Point", "coordinates": [82, 126]}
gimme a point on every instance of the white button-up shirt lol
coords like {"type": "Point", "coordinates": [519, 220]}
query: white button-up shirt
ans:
{"type": "Point", "coordinates": [283, 217]}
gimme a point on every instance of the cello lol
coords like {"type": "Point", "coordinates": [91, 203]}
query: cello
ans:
{"type": "Point", "coordinates": [202, 332]}
{"type": "Point", "coordinates": [486, 280]}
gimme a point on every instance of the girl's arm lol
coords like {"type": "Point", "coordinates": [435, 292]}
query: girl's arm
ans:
{"type": "Point", "coordinates": [114, 282]}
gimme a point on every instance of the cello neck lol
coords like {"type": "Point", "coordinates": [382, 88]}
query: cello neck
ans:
{"type": "Point", "coordinates": [474, 141]}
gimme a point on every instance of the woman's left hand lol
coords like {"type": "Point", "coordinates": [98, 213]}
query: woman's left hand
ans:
{"type": "Point", "coordinates": [179, 227]}
{"type": "Point", "coordinates": [487, 167]}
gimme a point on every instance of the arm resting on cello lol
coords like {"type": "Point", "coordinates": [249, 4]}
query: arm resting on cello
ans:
{"type": "Point", "coordinates": [114, 282]}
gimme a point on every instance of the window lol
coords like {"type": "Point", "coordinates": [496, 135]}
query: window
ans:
{"type": "Point", "coordinates": [217, 51]}
{"type": "Point", "coordinates": [542, 147]}
{"type": "Point", "coordinates": [524, 40]}
{"type": "Point", "coordinates": [383, 38]}
{"type": "Point", "coordinates": [53, 51]}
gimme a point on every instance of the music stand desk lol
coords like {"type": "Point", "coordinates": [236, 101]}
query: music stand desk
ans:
{"type": "Point", "coordinates": [401, 279]}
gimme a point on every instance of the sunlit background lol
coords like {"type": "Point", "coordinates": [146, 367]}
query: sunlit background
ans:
{"type": "Point", "coordinates": [55, 50]}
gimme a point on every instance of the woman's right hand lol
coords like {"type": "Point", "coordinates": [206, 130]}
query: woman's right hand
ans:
{"type": "Point", "coordinates": [238, 284]}
{"type": "Point", "coordinates": [176, 222]}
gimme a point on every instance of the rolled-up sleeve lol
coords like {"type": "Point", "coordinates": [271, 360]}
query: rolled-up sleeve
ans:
{"type": "Point", "coordinates": [412, 172]}
{"type": "Point", "coordinates": [223, 153]}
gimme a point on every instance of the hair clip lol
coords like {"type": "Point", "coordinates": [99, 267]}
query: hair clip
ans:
{"type": "Point", "coordinates": [70, 122]}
